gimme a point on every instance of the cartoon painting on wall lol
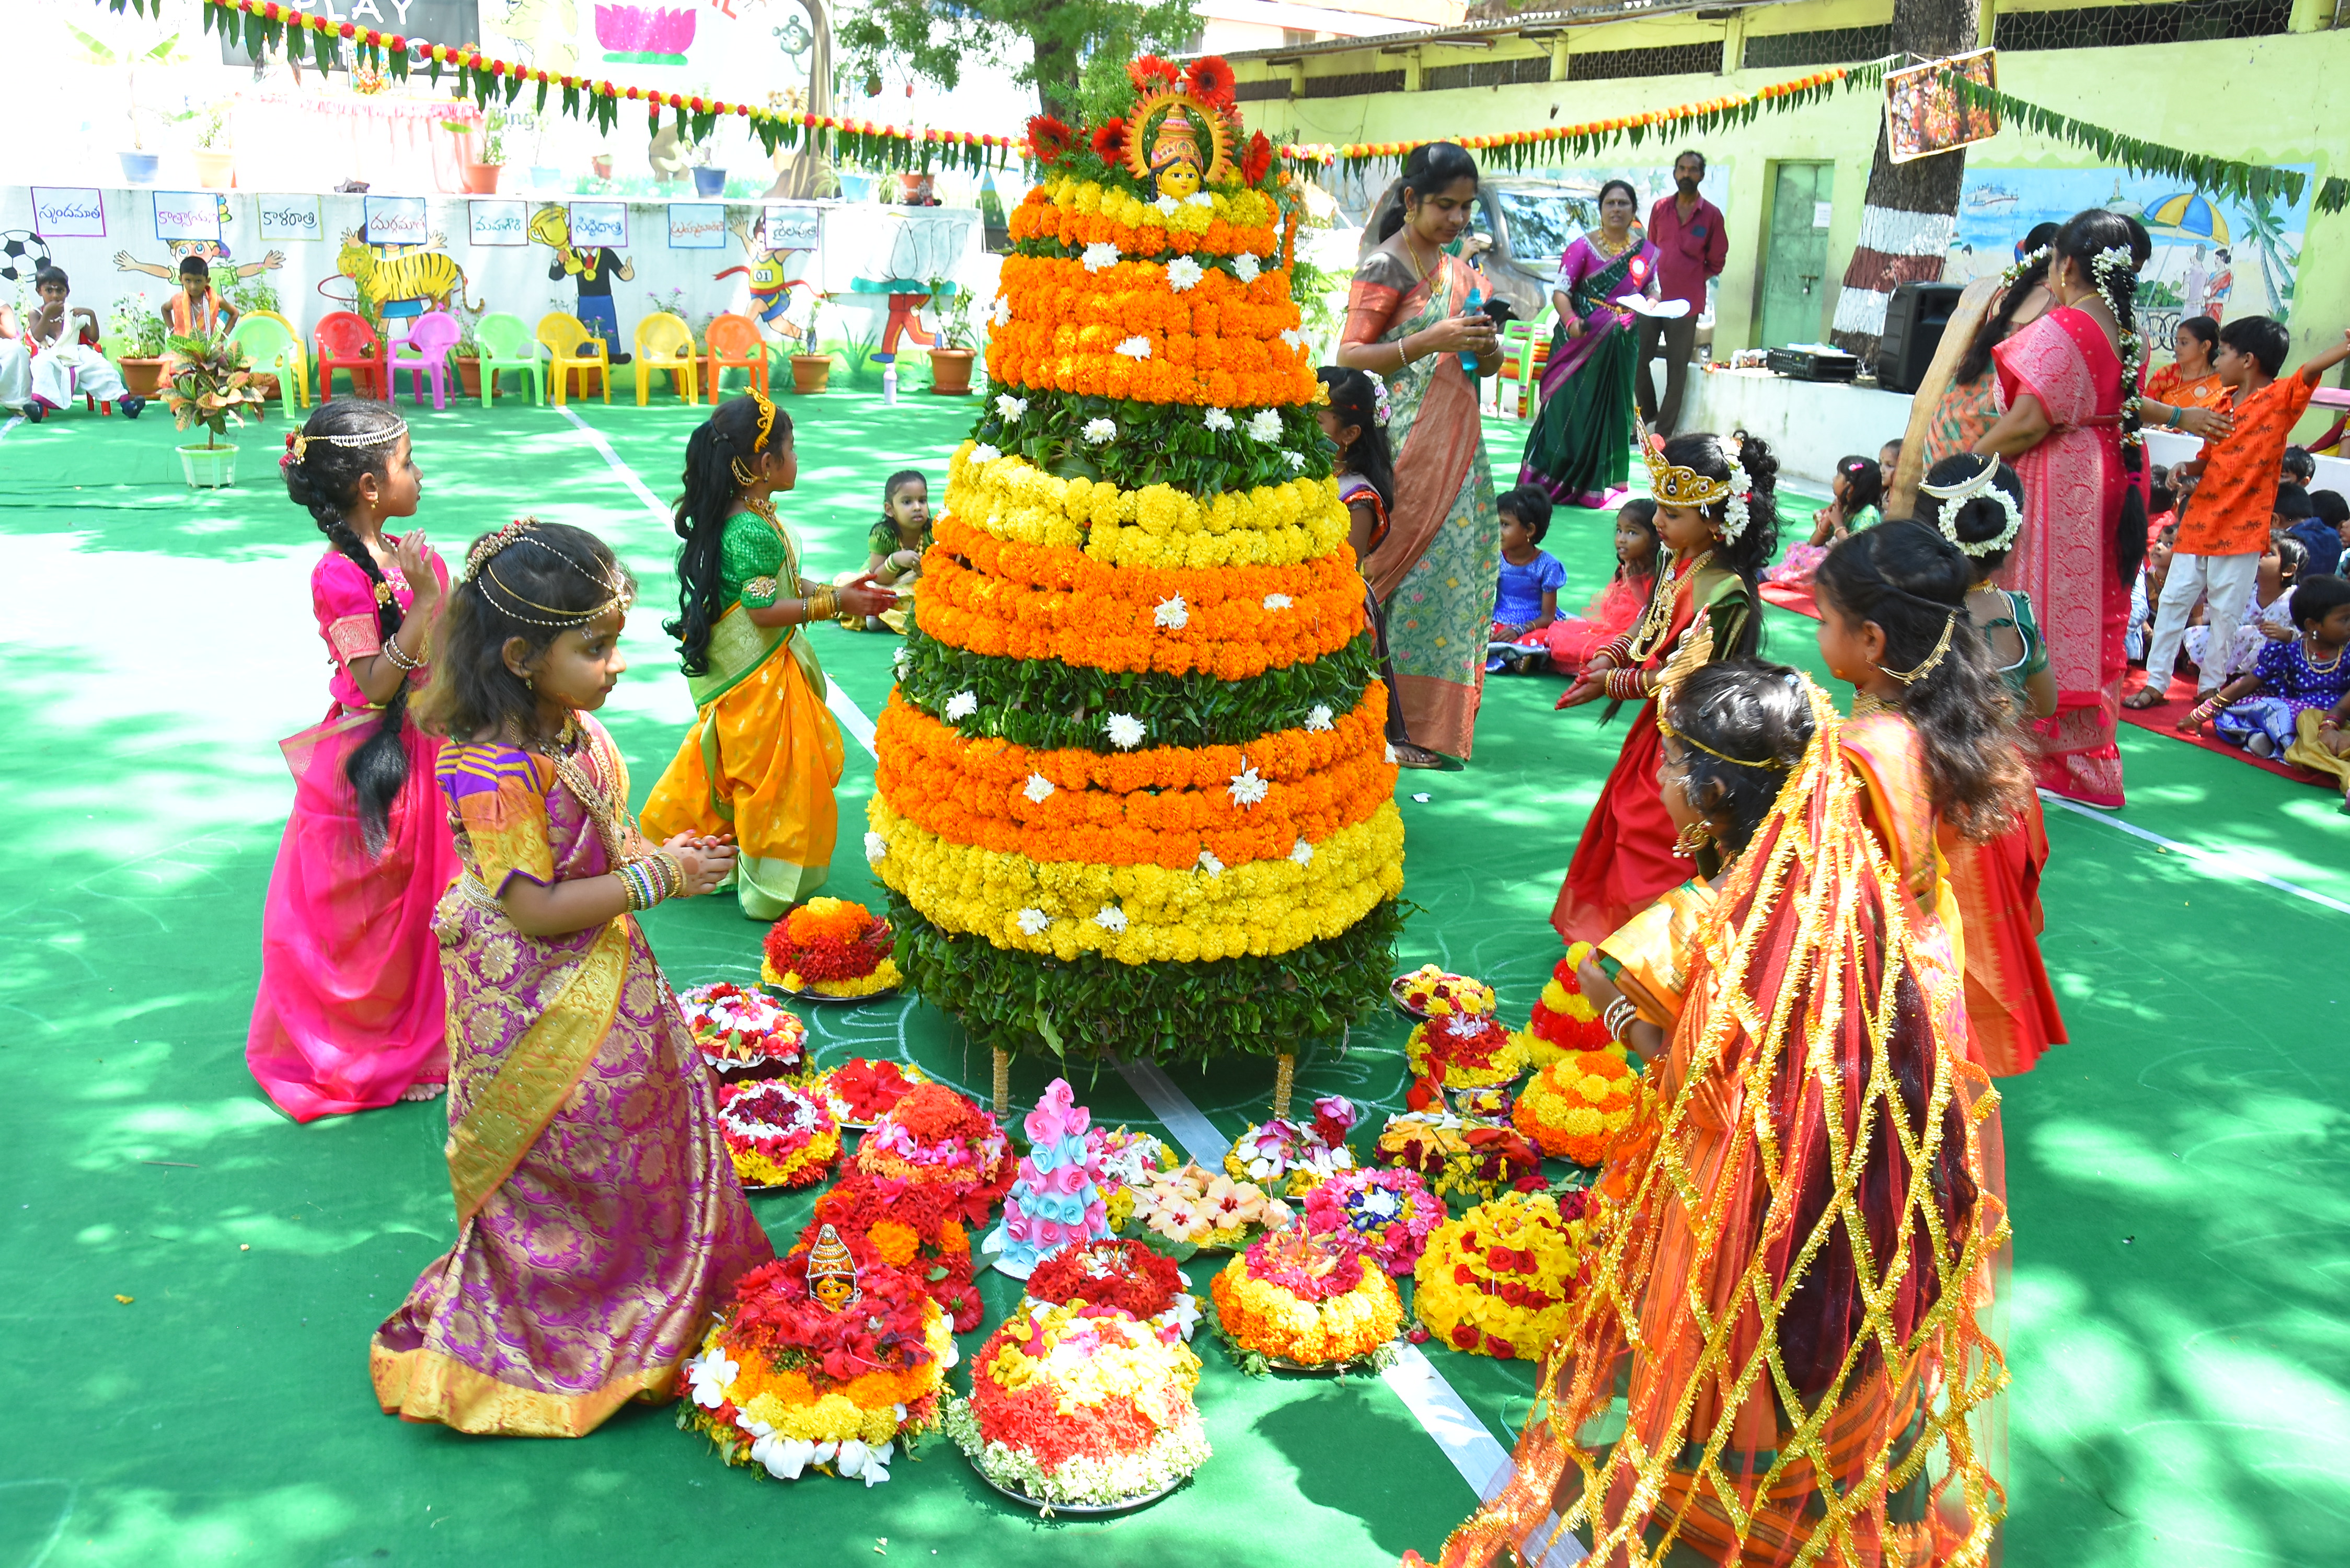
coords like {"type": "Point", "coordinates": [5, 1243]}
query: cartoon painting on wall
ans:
{"type": "Point", "coordinates": [770, 273]}
{"type": "Point", "coordinates": [226, 271]}
{"type": "Point", "coordinates": [426, 279]}
{"type": "Point", "coordinates": [592, 270]}
{"type": "Point", "coordinates": [2214, 255]}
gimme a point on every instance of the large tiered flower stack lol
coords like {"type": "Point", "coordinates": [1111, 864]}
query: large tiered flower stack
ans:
{"type": "Point", "coordinates": [1132, 787]}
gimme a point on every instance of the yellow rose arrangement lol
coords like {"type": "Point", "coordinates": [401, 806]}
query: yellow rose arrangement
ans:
{"type": "Point", "coordinates": [1496, 1282]}
{"type": "Point", "coordinates": [1157, 526]}
{"type": "Point", "coordinates": [1295, 1297]}
{"type": "Point", "coordinates": [1579, 1105]}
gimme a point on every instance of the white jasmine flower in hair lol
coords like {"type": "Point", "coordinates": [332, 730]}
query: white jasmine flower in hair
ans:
{"type": "Point", "coordinates": [876, 847]}
{"type": "Point", "coordinates": [1301, 852]}
{"type": "Point", "coordinates": [1136, 348]}
{"type": "Point", "coordinates": [1265, 424]}
{"type": "Point", "coordinates": [1276, 601]}
{"type": "Point", "coordinates": [1033, 923]}
{"type": "Point", "coordinates": [1318, 717]}
{"type": "Point", "coordinates": [1100, 254]}
{"type": "Point", "coordinates": [1247, 788]}
{"type": "Point", "coordinates": [1124, 731]}
{"type": "Point", "coordinates": [983, 452]}
{"type": "Point", "coordinates": [1183, 273]}
{"type": "Point", "coordinates": [1245, 267]}
{"type": "Point", "coordinates": [1010, 407]}
{"type": "Point", "coordinates": [1111, 918]}
{"type": "Point", "coordinates": [1038, 788]}
{"type": "Point", "coordinates": [1100, 431]}
{"type": "Point", "coordinates": [1173, 614]}
{"type": "Point", "coordinates": [961, 706]}
{"type": "Point", "coordinates": [1217, 420]}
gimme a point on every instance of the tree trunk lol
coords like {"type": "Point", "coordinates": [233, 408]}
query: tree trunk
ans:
{"type": "Point", "coordinates": [1912, 208]}
{"type": "Point", "coordinates": [810, 174]}
{"type": "Point", "coordinates": [1058, 66]}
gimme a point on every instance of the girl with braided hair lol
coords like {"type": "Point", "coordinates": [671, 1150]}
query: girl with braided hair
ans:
{"type": "Point", "coordinates": [349, 1014]}
{"type": "Point", "coordinates": [763, 757]}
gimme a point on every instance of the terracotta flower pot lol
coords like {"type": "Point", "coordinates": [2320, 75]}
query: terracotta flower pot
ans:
{"type": "Point", "coordinates": [469, 375]}
{"type": "Point", "coordinates": [482, 179]}
{"type": "Point", "coordinates": [215, 170]}
{"type": "Point", "coordinates": [268, 387]}
{"type": "Point", "coordinates": [142, 378]}
{"type": "Point", "coordinates": [810, 372]}
{"type": "Point", "coordinates": [950, 371]}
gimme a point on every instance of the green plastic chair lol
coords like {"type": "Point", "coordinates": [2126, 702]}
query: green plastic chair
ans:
{"type": "Point", "coordinates": [272, 349]}
{"type": "Point", "coordinates": [507, 344]}
{"type": "Point", "coordinates": [1521, 339]}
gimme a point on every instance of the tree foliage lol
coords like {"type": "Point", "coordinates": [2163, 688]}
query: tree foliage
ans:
{"type": "Point", "coordinates": [1073, 42]}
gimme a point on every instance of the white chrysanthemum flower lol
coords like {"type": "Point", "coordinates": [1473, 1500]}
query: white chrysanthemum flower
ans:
{"type": "Point", "coordinates": [1295, 339]}
{"type": "Point", "coordinates": [1320, 717]}
{"type": "Point", "coordinates": [1010, 407]}
{"type": "Point", "coordinates": [961, 706]}
{"type": "Point", "coordinates": [1265, 425]}
{"type": "Point", "coordinates": [1124, 731]}
{"type": "Point", "coordinates": [1276, 601]}
{"type": "Point", "coordinates": [1100, 254]}
{"type": "Point", "coordinates": [1296, 461]}
{"type": "Point", "coordinates": [1218, 419]}
{"type": "Point", "coordinates": [1173, 614]}
{"type": "Point", "coordinates": [1111, 918]}
{"type": "Point", "coordinates": [901, 661]}
{"type": "Point", "coordinates": [1100, 431]}
{"type": "Point", "coordinates": [1167, 206]}
{"type": "Point", "coordinates": [1301, 852]}
{"type": "Point", "coordinates": [983, 452]}
{"type": "Point", "coordinates": [876, 847]}
{"type": "Point", "coordinates": [1002, 314]}
{"type": "Point", "coordinates": [1136, 348]}
{"type": "Point", "coordinates": [1247, 788]}
{"type": "Point", "coordinates": [1210, 864]}
{"type": "Point", "coordinates": [1183, 273]}
{"type": "Point", "coordinates": [1033, 923]}
{"type": "Point", "coordinates": [1038, 788]}
{"type": "Point", "coordinates": [1199, 199]}
{"type": "Point", "coordinates": [1244, 268]}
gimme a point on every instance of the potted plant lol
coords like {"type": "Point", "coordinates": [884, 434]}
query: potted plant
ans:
{"type": "Point", "coordinates": [210, 387]}
{"type": "Point", "coordinates": [468, 352]}
{"type": "Point", "coordinates": [481, 175]}
{"type": "Point", "coordinates": [707, 180]}
{"type": "Point", "coordinates": [138, 164]}
{"type": "Point", "coordinates": [951, 360]}
{"type": "Point", "coordinates": [812, 371]}
{"type": "Point", "coordinates": [215, 162]}
{"type": "Point", "coordinates": [136, 333]}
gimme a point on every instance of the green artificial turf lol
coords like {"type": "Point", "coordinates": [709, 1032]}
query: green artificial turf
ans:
{"type": "Point", "coordinates": [2176, 1327]}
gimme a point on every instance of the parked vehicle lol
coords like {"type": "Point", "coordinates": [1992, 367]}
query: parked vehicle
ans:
{"type": "Point", "coordinates": [1527, 225]}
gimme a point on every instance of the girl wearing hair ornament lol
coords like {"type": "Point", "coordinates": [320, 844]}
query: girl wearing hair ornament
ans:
{"type": "Point", "coordinates": [349, 1015]}
{"type": "Point", "coordinates": [764, 755]}
{"type": "Point", "coordinates": [1717, 516]}
{"type": "Point", "coordinates": [598, 1218]}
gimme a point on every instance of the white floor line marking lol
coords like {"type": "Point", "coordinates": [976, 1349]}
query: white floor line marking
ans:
{"type": "Point", "coordinates": [627, 476]}
{"type": "Point", "coordinates": [14, 420]}
{"type": "Point", "coordinates": [2205, 858]}
{"type": "Point", "coordinates": [852, 718]}
{"type": "Point", "coordinates": [1171, 1105]}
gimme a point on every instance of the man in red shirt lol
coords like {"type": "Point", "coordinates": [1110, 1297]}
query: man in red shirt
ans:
{"type": "Point", "coordinates": [1688, 229]}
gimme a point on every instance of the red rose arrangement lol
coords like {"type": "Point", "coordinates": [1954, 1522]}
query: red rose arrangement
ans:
{"type": "Point", "coordinates": [1497, 1280]}
{"type": "Point", "coordinates": [778, 1135]}
{"type": "Point", "coordinates": [830, 947]}
{"type": "Point", "coordinates": [918, 1229]}
{"type": "Point", "coordinates": [935, 1137]}
{"type": "Point", "coordinates": [1127, 1275]}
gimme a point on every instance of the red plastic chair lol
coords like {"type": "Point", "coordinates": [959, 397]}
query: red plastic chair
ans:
{"type": "Point", "coordinates": [736, 344]}
{"type": "Point", "coordinates": [425, 352]}
{"type": "Point", "coordinates": [346, 342]}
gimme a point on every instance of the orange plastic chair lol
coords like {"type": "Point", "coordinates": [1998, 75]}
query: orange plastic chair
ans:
{"type": "Point", "coordinates": [737, 344]}
{"type": "Point", "coordinates": [570, 348]}
{"type": "Point", "coordinates": [664, 342]}
{"type": "Point", "coordinates": [345, 342]}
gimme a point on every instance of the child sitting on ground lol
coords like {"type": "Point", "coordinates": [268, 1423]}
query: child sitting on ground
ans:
{"type": "Point", "coordinates": [2148, 592]}
{"type": "Point", "coordinates": [16, 365]}
{"type": "Point", "coordinates": [2314, 518]}
{"type": "Point", "coordinates": [1858, 488]}
{"type": "Point", "coordinates": [2267, 617]}
{"type": "Point", "coordinates": [1573, 639]}
{"type": "Point", "coordinates": [894, 546]}
{"type": "Point", "coordinates": [1526, 602]}
{"type": "Point", "coordinates": [1888, 457]}
{"type": "Point", "coordinates": [2297, 468]}
{"type": "Point", "coordinates": [2305, 673]}
{"type": "Point", "coordinates": [64, 362]}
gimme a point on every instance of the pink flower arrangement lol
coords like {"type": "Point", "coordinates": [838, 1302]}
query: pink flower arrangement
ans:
{"type": "Point", "coordinates": [1385, 1215]}
{"type": "Point", "coordinates": [1295, 1155]}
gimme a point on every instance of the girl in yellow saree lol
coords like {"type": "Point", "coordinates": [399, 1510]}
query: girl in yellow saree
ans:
{"type": "Point", "coordinates": [764, 755]}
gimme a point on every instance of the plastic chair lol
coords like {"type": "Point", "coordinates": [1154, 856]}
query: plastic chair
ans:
{"type": "Point", "coordinates": [1525, 349]}
{"type": "Point", "coordinates": [664, 342]}
{"type": "Point", "coordinates": [272, 347]}
{"type": "Point", "coordinates": [736, 344]}
{"type": "Point", "coordinates": [571, 347]}
{"type": "Point", "coordinates": [507, 345]}
{"type": "Point", "coordinates": [345, 342]}
{"type": "Point", "coordinates": [425, 352]}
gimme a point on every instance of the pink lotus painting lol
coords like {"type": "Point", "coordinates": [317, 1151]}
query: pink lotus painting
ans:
{"type": "Point", "coordinates": [642, 36]}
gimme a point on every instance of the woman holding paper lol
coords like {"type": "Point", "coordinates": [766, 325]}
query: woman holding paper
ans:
{"type": "Point", "coordinates": [1581, 445]}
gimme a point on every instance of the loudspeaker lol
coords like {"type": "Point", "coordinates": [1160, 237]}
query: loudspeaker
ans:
{"type": "Point", "coordinates": [1913, 331]}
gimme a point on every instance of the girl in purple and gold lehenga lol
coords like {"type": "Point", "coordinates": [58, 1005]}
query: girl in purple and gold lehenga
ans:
{"type": "Point", "coordinates": [598, 1218]}
{"type": "Point", "coordinates": [1581, 445]}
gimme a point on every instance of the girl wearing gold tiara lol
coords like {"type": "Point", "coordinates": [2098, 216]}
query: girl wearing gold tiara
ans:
{"type": "Point", "coordinates": [764, 755]}
{"type": "Point", "coordinates": [1717, 516]}
{"type": "Point", "coordinates": [599, 1219]}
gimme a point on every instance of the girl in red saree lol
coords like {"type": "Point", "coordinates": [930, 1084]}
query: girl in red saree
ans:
{"type": "Point", "coordinates": [1780, 1349]}
{"type": "Point", "coordinates": [1717, 514]}
{"type": "Point", "coordinates": [1413, 317]}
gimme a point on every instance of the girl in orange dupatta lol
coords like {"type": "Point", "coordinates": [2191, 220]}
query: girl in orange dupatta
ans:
{"type": "Point", "coordinates": [599, 1221]}
{"type": "Point", "coordinates": [1815, 1140]}
{"type": "Point", "coordinates": [1413, 317]}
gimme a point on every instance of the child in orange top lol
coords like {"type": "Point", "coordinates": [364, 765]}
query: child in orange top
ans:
{"type": "Point", "coordinates": [2220, 540]}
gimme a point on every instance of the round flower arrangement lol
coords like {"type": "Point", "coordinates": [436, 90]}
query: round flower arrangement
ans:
{"type": "Point", "coordinates": [778, 1135]}
{"type": "Point", "coordinates": [1495, 1281]}
{"type": "Point", "coordinates": [1127, 1275]}
{"type": "Point", "coordinates": [1579, 1105]}
{"type": "Point", "coordinates": [1293, 1156]}
{"type": "Point", "coordinates": [830, 947]}
{"type": "Point", "coordinates": [743, 1034]}
{"type": "Point", "coordinates": [1455, 1156]}
{"type": "Point", "coordinates": [1306, 1299]}
{"type": "Point", "coordinates": [1209, 1212]}
{"type": "Point", "coordinates": [1385, 1215]}
{"type": "Point", "coordinates": [1564, 1019]}
{"type": "Point", "coordinates": [1464, 1051]}
{"type": "Point", "coordinates": [1429, 992]}
{"type": "Point", "coordinates": [1080, 1405]}
{"type": "Point", "coordinates": [935, 1137]}
{"type": "Point", "coordinates": [1128, 1159]}
{"type": "Point", "coordinates": [827, 1358]}
{"type": "Point", "coordinates": [860, 1091]}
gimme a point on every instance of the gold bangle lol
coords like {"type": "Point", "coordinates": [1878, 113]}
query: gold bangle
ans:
{"type": "Point", "coordinates": [823, 603]}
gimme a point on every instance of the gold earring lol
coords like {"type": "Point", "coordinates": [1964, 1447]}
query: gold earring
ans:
{"type": "Point", "coordinates": [1692, 838]}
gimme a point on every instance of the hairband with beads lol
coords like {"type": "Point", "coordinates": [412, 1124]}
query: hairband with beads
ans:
{"type": "Point", "coordinates": [297, 443]}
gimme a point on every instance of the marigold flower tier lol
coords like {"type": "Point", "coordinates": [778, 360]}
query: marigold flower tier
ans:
{"type": "Point", "coordinates": [1299, 1299]}
{"type": "Point", "coordinates": [1495, 1281]}
{"type": "Point", "coordinates": [780, 1134]}
{"type": "Point", "coordinates": [743, 1034]}
{"type": "Point", "coordinates": [1577, 1108]}
{"type": "Point", "coordinates": [1080, 1406]}
{"type": "Point", "coordinates": [1564, 1019]}
{"type": "Point", "coordinates": [829, 950]}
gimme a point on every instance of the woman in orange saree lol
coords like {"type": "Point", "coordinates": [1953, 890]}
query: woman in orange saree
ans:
{"type": "Point", "coordinates": [1414, 317]}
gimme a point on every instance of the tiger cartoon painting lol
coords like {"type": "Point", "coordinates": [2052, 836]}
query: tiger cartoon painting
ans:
{"type": "Point", "coordinates": [432, 275]}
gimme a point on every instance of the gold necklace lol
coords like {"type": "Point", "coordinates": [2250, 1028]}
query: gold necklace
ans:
{"type": "Point", "coordinates": [2309, 656]}
{"type": "Point", "coordinates": [1657, 619]}
{"type": "Point", "coordinates": [1864, 703]}
{"type": "Point", "coordinates": [1411, 254]}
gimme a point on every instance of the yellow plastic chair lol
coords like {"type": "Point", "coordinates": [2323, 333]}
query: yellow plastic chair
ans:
{"type": "Point", "coordinates": [508, 347]}
{"type": "Point", "coordinates": [664, 342]}
{"type": "Point", "coordinates": [272, 347]}
{"type": "Point", "coordinates": [571, 347]}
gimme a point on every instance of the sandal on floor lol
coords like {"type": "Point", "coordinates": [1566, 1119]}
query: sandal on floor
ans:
{"type": "Point", "coordinates": [1408, 756]}
{"type": "Point", "coordinates": [2145, 697]}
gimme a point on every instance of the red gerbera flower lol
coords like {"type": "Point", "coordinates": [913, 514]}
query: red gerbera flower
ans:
{"type": "Point", "coordinates": [1213, 80]}
{"type": "Point", "coordinates": [1109, 140]}
{"type": "Point", "coordinates": [1150, 72]}
{"type": "Point", "coordinates": [1258, 157]}
{"type": "Point", "coordinates": [1049, 137]}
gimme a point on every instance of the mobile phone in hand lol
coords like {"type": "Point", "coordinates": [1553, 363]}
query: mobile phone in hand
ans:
{"type": "Point", "coordinates": [1500, 310]}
